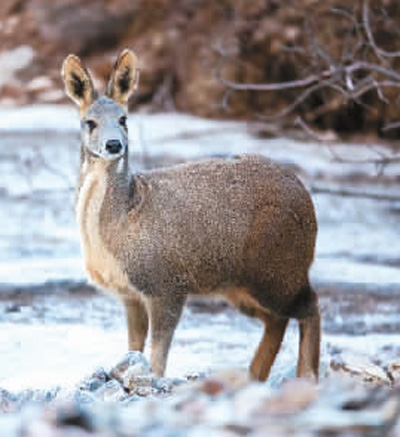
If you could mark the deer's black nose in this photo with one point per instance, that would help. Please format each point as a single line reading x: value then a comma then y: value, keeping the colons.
x: 113, y: 146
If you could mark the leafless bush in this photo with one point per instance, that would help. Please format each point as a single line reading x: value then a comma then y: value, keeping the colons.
x: 361, y: 68
x: 361, y: 75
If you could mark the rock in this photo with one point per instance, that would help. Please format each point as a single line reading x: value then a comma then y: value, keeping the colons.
x: 133, y: 364
x: 167, y: 385
x: 394, y: 372
x: 212, y: 386
x: 8, y: 401
x: 95, y: 381
x: 83, y: 397
x: 250, y: 400
x: 130, y: 400
x: 73, y: 415
x: 132, y: 381
x: 112, y: 391
x: 294, y: 396
x: 194, y: 376
x: 359, y: 367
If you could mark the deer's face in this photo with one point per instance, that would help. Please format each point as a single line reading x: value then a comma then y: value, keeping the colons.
x: 104, y: 129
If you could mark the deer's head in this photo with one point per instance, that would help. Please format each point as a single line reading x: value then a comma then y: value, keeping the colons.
x: 104, y: 129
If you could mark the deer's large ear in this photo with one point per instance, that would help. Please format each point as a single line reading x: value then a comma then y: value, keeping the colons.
x: 124, y: 77
x: 78, y: 83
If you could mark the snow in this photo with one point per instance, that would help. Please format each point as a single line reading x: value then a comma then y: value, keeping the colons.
x: 77, y: 351
x: 33, y: 271
x: 347, y: 271
x: 43, y: 117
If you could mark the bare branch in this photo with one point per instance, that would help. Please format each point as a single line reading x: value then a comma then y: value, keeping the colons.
x: 310, y: 132
x: 380, y: 53
x: 341, y: 71
x: 300, y: 83
x: 350, y: 49
x: 299, y: 100
x: 395, y: 125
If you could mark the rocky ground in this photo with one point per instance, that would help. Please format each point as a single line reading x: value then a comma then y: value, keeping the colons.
x: 127, y: 400
x: 61, y: 341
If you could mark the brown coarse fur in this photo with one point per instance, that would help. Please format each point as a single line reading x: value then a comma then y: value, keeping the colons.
x: 242, y: 227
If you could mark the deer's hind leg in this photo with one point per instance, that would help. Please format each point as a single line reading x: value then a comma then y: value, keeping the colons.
x: 304, y: 307
x: 309, y: 349
x: 274, y: 331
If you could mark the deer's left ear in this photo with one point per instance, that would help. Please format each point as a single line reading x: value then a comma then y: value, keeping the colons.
x: 124, y: 77
x: 78, y: 82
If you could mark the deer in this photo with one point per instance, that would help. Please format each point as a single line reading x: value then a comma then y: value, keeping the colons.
x: 240, y: 227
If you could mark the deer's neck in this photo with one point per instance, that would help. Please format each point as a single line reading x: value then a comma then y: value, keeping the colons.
x: 104, y: 197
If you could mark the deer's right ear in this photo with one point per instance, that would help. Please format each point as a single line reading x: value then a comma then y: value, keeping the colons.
x: 78, y: 83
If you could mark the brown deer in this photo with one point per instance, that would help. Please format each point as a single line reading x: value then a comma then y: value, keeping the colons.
x: 244, y: 228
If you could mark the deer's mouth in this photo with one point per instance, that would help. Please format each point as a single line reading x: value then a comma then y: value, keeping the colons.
x: 107, y: 155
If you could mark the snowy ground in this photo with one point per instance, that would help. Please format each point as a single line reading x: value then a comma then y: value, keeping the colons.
x: 50, y: 336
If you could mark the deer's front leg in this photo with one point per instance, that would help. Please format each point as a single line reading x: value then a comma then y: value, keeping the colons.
x: 138, y: 323
x: 164, y: 313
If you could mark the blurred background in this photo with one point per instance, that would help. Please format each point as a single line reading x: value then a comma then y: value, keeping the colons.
x: 314, y: 85
x: 185, y: 46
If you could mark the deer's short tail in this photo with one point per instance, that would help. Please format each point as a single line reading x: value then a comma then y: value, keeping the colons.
x: 304, y: 304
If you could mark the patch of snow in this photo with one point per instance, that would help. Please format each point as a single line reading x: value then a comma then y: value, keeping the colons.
x: 34, y: 271
x: 39, y: 117
x: 347, y: 271
x: 75, y: 351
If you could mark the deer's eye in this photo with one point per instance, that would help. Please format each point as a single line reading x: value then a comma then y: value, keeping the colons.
x: 91, y: 124
x: 122, y: 121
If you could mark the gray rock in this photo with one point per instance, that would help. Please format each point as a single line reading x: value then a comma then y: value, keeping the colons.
x: 132, y: 381
x: 130, y: 400
x: 167, y: 385
x: 133, y: 364
x: 96, y: 380
x: 112, y: 391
